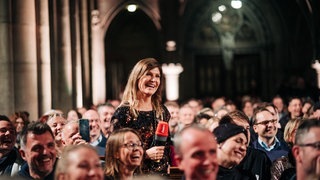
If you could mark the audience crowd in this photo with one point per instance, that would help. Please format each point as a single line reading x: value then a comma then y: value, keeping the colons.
x: 279, y: 139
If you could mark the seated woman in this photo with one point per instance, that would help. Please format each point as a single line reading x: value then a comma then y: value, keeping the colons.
x: 20, y: 121
x: 232, y: 147
x: 56, y: 123
x: 124, y: 154
x: 79, y: 162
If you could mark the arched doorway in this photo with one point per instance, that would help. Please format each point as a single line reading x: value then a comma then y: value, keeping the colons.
x: 129, y: 38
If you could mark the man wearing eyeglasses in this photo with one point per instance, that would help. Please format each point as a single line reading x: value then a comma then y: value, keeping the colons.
x: 307, y: 150
x: 265, y: 126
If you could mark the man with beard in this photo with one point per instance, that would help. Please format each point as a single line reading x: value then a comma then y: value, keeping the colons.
x: 38, y: 150
x: 265, y: 126
x: 10, y: 160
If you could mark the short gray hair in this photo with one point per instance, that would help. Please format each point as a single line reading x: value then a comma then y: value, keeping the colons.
x: 178, y: 136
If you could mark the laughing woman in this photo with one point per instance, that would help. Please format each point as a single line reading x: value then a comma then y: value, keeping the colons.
x: 124, y: 154
x: 232, y: 147
x: 141, y: 109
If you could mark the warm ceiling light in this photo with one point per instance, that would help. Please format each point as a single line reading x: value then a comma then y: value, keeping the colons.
x: 132, y: 7
x: 222, y: 8
x: 216, y: 17
x: 171, y: 45
x: 236, y: 4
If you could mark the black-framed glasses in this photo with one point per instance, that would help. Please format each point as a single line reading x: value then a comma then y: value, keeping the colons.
x: 315, y: 145
x: 266, y: 122
x: 131, y: 146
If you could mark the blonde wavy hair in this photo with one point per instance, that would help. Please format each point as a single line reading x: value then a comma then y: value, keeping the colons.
x: 130, y: 94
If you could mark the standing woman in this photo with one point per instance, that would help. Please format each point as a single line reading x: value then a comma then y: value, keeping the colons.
x: 141, y: 109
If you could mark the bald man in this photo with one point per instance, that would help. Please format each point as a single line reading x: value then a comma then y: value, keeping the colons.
x: 196, y: 153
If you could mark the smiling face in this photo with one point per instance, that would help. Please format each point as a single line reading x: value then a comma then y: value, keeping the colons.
x: 149, y: 82
x: 81, y: 167
x: 198, y: 157
x: 265, y: 131
x: 7, y: 137
x: 295, y: 108
x: 186, y: 115
x: 40, y: 154
x: 106, y: 113
x: 56, y: 124
x: 130, y: 158
x: 94, y: 123
x: 232, y: 151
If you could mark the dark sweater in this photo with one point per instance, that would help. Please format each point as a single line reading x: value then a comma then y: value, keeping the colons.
x: 24, y: 173
x: 233, y: 174
x: 280, y: 149
x: 256, y: 162
x: 7, y: 162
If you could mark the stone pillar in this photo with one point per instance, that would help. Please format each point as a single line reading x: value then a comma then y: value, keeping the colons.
x: 171, y: 73
x: 25, y: 57
x: 76, y: 54
x: 98, y: 63
x: 62, y: 87
x: 6, y: 68
x: 85, y: 56
x: 45, y: 94
x: 316, y: 66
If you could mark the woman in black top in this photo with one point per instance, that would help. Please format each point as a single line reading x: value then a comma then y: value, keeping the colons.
x: 141, y: 109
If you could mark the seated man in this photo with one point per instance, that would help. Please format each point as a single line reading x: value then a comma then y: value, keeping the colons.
x: 265, y: 126
x: 70, y: 134
x: 196, y: 153
x: 106, y: 112
x: 306, y: 150
x: 10, y: 160
x: 39, y: 151
x: 97, y: 139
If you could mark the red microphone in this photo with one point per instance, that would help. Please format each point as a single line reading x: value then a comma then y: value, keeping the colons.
x: 161, y: 136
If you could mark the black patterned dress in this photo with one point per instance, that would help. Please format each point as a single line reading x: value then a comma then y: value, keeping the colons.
x: 146, y: 124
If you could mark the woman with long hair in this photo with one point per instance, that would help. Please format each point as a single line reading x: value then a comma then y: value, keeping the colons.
x: 124, y: 154
x: 142, y: 109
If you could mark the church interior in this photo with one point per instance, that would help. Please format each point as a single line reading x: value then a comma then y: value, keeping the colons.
x: 63, y: 54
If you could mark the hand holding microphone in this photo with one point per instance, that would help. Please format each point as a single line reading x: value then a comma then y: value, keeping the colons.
x: 160, y: 139
x: 161, y: 136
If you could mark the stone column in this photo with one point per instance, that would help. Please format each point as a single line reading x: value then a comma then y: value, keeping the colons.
x: 98, y: 62
x: 25, y: 57
x: 6, y: 68
x: 45, y: 94
x: 171, y: 73
x: 85, y: 54
x: 62, y: 87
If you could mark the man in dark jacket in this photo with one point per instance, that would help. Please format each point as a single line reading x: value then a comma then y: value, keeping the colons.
x: 39, y: 151
x: 10, y: 160
x: 265, y: 126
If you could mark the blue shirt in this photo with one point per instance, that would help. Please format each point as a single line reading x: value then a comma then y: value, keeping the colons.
x: 276, y: 143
